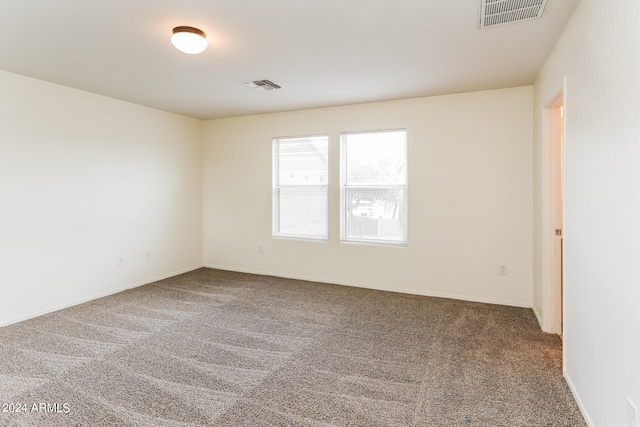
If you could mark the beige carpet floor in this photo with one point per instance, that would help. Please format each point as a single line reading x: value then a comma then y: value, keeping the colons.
x: 216, y: 348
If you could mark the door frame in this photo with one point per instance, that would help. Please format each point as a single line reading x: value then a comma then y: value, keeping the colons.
x: 552, y: 292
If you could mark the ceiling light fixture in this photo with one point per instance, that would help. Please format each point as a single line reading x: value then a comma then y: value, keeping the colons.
x: 189, y: 40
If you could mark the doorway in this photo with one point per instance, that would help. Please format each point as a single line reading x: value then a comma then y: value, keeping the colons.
x: 553, y: 223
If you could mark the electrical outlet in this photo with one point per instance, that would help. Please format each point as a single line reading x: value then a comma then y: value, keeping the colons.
x: 503, y: 270
x: 119, y: 261
x: 148, y: 256
x: 632, y: 411
x: 260, y: 249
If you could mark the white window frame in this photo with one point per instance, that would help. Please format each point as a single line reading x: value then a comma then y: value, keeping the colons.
x: 276, y: 187
x: 344, y: 187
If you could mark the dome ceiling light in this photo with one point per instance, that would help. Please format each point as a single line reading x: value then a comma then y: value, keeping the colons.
x: 189, y: 40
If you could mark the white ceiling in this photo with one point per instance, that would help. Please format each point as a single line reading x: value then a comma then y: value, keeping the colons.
x: 322, y: 53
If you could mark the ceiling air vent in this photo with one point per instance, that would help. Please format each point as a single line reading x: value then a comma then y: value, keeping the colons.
x: 498, y: 12
x: 262, y: 85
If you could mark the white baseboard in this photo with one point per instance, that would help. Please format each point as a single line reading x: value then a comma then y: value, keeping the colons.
x: 537, y: 316
x: 101, y: 295
x: 576, y: 396
x: 378, y: 288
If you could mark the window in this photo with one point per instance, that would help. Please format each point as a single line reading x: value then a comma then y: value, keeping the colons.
x: 374, y: 187
x: 300, y: 177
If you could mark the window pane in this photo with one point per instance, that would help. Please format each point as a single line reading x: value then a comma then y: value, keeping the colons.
x: 302, y: 211
x: 373, y: 180
x: 375, y: 213
x: 377, y: 158
x: 303, y: 161
x: 300, y: 179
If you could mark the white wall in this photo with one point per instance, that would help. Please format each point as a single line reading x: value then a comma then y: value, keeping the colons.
x: 84, y: 179
x: 470, y: 197
x: 599, y: 53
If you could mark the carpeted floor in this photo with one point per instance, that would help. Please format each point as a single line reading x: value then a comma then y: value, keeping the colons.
x: 229, y: 349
